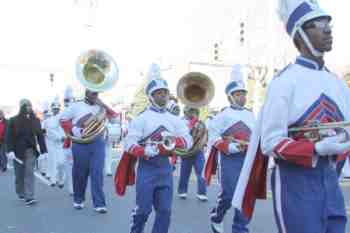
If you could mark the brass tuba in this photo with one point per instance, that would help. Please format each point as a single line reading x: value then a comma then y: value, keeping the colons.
x: 98, y: 72
x: 195, y: 90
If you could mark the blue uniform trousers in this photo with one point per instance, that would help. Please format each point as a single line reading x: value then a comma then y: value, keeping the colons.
x: 230, y: 168
x: 307, y: 200
x: 88, y: 160
x: 196, y: 161
x: 154, y: 188
x: 340, y: 166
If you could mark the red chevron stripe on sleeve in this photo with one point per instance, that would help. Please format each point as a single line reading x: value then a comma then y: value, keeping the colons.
x: 180, y: 142
x: 67, y: 126
x: 298, y: 152
x: 137, y: 151
x: 222, y: 145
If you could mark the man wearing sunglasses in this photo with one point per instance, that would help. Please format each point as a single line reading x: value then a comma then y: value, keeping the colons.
x: 305, y: 190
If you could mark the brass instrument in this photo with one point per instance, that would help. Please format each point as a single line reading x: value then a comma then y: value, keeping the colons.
x: 315, y: 131
x: 97, y: 72
x: 167, y: 141
x: 195, y: 90
x: 320, y: 126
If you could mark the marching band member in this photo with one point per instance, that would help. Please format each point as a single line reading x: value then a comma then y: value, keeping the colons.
x: 23, y: 136
x: 3, y: 157
x: 42, y: 160
x: 114, y: 134
x: 88, y: 157
x: 154, y: 182
x: 67, y: 143
x: 305, y: 189
x: 229, y: 134
x: 196, y: 161
x: 55, y: 137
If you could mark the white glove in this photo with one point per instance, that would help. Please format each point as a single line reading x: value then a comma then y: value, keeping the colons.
x: 11, y: 155
x: 151, y: 150
x: 76, y: 131
x: 233, y: 148
x: 332, y: 146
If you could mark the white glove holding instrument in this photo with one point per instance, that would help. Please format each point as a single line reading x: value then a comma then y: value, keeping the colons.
x: 233, y: 148
x: 151, y: 150
x: 76, y: 131
x: 332, y: 145
x: 11, y: 155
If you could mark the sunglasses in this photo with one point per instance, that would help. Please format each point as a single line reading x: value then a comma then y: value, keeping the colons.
x: 319, y: 24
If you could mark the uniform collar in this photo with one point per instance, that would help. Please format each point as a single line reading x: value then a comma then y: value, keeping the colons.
x: 155, y: 109
x: 308, y: 63
x: 236, y: 107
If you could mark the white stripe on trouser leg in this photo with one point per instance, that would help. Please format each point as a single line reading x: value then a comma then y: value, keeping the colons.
x: 133, y: 213
x: 278, y: 199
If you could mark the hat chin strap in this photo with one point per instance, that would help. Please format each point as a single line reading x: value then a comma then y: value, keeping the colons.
x: 233, y: 102
x: 308, y: 43
x: 151, y: 99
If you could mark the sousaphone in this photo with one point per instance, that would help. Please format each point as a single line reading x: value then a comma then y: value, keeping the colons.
x: 98, y: 72
x: 195, y: 90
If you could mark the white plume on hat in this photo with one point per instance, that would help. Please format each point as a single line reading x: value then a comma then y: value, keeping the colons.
x: 68, y: 93
x: 45, y: 106
x: 236, y: 82
x: 155, y: 81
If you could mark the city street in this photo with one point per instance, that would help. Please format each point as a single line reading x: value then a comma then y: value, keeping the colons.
x: 54, y: 212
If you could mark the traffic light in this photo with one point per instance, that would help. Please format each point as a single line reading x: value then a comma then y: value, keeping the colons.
x: 216, y: 52
x: 241, y: 33
x: 51, y: 78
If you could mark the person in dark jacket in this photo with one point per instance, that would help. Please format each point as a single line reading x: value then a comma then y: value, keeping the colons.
x: 23, y: 136
x: 3, y: 157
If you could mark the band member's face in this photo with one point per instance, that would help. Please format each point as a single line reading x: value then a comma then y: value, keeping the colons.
x: 161, y: 97
x: 91, y: 96
x: 28, y: 108
x: 192, y: 113
x: 319, y: 32
x: 240, y: 97
x: 66, y: 102
x: 55, y: 111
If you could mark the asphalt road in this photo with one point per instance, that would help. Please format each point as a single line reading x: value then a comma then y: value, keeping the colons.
x: 54, y: 212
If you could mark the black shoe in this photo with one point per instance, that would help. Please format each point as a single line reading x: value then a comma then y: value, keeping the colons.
x: 60, y: 186
x: 53, y: 185
x: 21, y: 198
x: 30, y: 202
x: 4, y: 169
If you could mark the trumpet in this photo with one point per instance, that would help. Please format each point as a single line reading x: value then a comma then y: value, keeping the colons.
x: 168, y: 141
x: 320, y: 126
x: 317, y: 131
